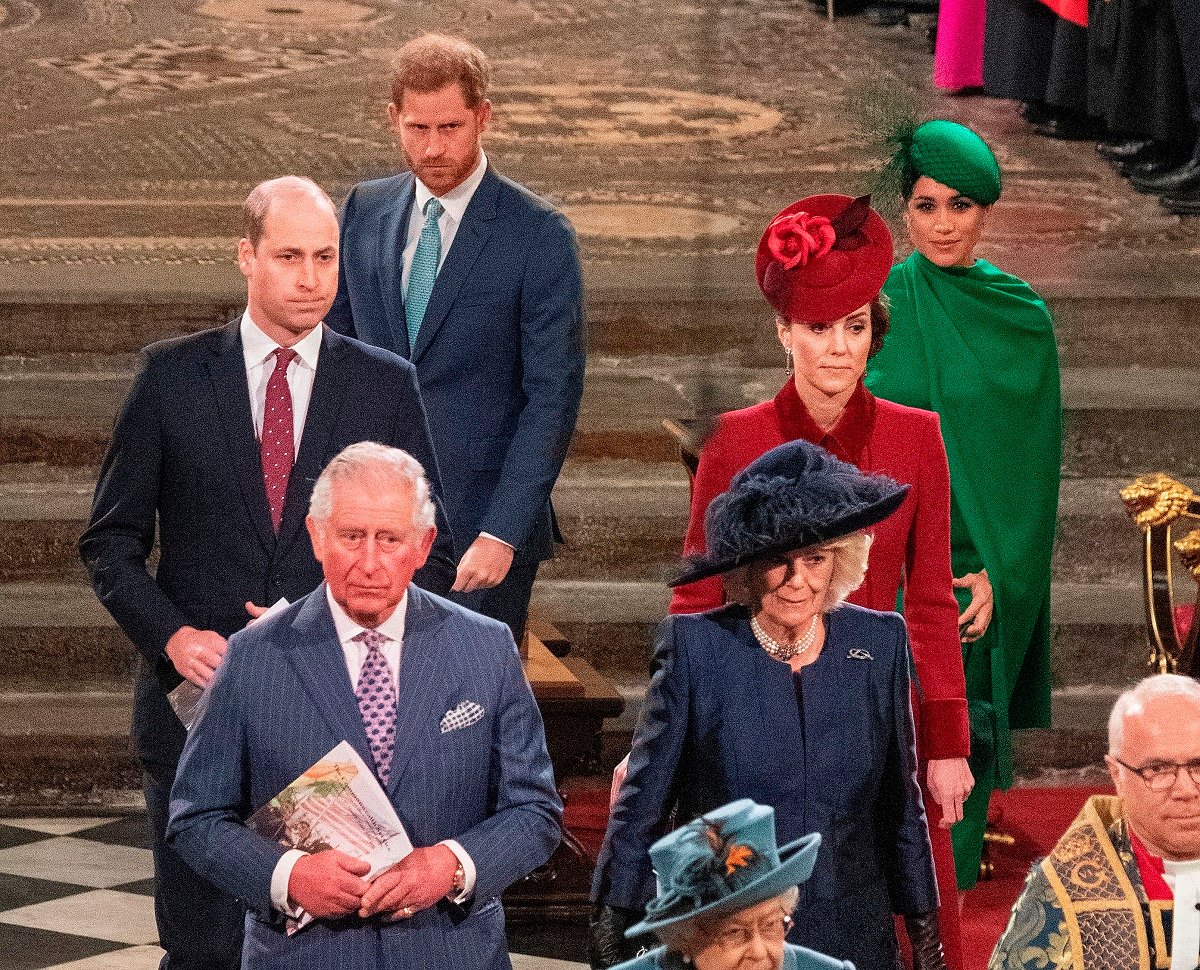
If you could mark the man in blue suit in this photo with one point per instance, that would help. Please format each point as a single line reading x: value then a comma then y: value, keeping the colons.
x: 431, y: 695
x: 477, y: 282
x: 205, y: 448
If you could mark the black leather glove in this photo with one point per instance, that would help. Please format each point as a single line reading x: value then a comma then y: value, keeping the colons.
x: 926, y: 939
x: 607, y: 945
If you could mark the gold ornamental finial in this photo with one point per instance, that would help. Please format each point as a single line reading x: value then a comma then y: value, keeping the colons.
x: 1156, y: 500
x: 1189, y: 552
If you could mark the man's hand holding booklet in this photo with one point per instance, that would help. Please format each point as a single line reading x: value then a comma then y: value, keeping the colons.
x: 336, y: 804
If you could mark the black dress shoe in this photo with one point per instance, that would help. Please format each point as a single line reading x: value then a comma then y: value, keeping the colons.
x: 1154, y: 164
x: 1173, y: 183
x: 1070, y: 127
x: 1123, y: 151
x: 1035, y: 112
x: 1182, y: 203
x: 885, y: 15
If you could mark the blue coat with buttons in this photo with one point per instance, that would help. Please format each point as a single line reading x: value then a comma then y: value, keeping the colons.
x: 721, y: 721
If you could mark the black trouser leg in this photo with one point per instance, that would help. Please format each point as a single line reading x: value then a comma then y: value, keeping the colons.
x: 198, y: 925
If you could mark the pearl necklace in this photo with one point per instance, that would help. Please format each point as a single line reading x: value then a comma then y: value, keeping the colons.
x: 784, y: 651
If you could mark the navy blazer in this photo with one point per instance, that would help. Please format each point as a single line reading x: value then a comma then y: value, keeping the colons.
x: 282, y: 700
x: 500, y: 352
x: 183, y: 451
x: 721, y: 722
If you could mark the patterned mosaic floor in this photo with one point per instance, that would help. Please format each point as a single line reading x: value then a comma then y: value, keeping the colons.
x: 669, y: 131
x: 77, y: 894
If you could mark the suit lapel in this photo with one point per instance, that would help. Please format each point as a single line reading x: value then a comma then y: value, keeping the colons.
x: 422, y: 680
x: 393, y: 236
x: 469, y: 241
x: 317, y: 657
x: 324, y: 407
x: 227, y: 370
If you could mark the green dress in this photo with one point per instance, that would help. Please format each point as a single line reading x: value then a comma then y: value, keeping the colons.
x: 976, y: 345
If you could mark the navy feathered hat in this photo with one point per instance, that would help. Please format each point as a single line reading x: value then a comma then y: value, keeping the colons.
x: 794, y: 496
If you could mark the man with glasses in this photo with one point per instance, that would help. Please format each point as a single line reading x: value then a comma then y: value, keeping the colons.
x: 1122, y: 886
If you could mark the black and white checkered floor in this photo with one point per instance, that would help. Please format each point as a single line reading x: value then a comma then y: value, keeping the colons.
x: 78, y: 894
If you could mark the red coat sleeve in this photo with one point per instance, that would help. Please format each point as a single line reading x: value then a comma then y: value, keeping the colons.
x: 741, y: 436
x: 931, y: 611
x: 713, y: 476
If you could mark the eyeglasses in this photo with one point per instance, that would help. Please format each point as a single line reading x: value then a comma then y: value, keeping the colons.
x: 771, y: 928
x: 1162, y: 775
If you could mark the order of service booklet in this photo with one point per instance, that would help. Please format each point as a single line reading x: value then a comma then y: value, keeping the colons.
x: 335, y: 804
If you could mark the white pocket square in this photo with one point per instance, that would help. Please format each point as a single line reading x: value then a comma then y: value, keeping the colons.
x: 466, y: 714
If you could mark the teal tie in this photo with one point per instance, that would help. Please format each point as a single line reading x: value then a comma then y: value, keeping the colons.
x: 423, y: 273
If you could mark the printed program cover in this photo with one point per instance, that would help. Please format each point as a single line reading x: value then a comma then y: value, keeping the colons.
x: 335, y: 804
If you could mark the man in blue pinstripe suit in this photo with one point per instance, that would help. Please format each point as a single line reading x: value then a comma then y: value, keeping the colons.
x: 456, y: 742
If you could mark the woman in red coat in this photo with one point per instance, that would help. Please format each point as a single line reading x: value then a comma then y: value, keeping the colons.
x: 821, y: 264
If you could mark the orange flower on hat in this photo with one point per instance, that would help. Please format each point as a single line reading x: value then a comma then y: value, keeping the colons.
x: 797, y: 237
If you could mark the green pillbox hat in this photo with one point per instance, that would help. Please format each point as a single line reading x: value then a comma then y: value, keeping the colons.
x: 954, y: 155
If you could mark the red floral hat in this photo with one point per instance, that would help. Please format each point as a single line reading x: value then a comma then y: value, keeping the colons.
x: 823, y: 257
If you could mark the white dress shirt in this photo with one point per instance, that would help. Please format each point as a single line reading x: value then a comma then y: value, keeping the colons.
x: 356, y: 653
x: 1184, y: 880
x: 454, y: 206
x: 257, y: 349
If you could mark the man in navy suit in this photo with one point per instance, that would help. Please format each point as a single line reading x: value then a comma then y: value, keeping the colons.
x: 477, y: 281
x: 431, y: 696
x: 186, y: 454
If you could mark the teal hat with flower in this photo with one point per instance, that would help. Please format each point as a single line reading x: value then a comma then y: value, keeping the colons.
x: 724, y: 861
x: 949, y: 153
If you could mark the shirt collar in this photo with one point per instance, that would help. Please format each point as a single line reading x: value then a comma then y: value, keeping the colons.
x: 455, y: 201
x: 348, y: 629
x: 846, y: 440
x: 257, y: 346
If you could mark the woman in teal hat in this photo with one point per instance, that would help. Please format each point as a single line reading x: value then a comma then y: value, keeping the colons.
x: 726, y: 895
x: 976, y: 345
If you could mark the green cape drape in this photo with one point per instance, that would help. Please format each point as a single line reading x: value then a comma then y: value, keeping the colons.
x: 976, y: 345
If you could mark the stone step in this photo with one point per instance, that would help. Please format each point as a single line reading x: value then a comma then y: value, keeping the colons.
x: 624, y: 520
x: 59, y: 410
x: 67, y: 672
x: 58, y: 636
x: 66, y: 749
x: 693, y: 319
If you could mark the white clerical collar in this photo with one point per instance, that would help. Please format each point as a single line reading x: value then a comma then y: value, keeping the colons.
x: 257, y: 346
x: 348, y: 629
x: 1184, y: 880
x: 455, y: 201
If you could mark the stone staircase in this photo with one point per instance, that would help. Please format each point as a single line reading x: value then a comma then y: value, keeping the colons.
x: 1132, y: 395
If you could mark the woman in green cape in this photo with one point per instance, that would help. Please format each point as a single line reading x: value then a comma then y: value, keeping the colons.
x: 976, y: 345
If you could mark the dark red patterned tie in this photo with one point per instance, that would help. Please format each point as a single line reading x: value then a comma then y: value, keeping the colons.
x: 278, y: 438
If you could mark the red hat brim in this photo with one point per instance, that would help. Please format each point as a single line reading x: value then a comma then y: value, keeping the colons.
x: 832, y: 285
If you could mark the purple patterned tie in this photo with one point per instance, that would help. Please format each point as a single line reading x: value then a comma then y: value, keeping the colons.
x: 377, y: 702
x: 278, y: 433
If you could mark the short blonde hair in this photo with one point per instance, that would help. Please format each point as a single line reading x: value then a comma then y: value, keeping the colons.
x: 850, y: 556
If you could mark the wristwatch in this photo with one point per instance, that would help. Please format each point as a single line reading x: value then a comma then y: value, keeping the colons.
x: 459, y: 882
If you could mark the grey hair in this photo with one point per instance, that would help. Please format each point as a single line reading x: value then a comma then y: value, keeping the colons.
x: 692, y: 935
x: 1133, y: 702
x: 258, y: 203
x: 850, y: 554
x: 368, y: 461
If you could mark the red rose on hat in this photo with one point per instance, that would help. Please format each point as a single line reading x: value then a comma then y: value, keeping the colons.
x: 794, y: 238
x: 822, y: 257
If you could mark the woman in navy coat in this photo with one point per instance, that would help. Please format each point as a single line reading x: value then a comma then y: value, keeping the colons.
x: 795, y: 700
